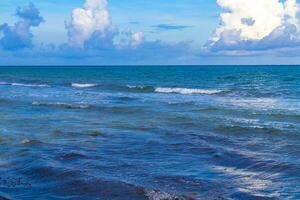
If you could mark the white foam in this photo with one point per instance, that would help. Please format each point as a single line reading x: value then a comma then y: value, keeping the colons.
x: 254, y: 102
x: 29, y: 85
x: 4, y: 83
x: 186, y: 91
x: 158, y: 195
x: 83, y: 85
x: 24, y: 85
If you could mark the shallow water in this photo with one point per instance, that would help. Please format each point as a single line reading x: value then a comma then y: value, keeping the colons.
x: 150, y: 133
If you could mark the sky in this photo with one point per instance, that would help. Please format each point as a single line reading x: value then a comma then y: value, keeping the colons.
x: 156, y: 32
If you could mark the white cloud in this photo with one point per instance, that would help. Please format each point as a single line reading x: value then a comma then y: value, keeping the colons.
x: 93, y: 17
x: 252, y: 24
x: 92, y: 24
x: 137, y: 38
x: 291, y: 9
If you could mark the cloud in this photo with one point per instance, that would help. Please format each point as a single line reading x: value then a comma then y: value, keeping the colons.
x: 154, y: 52
x: 137, y: 39
x: 256, y: 25
x: 91, y: 27
x: 93, y: 19
x: 170, y: 27
x: 93, y: 39
x: 19, y: 35
x: 30, y: 14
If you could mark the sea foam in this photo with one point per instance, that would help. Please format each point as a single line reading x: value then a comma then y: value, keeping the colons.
x: 24, y: 85
x: 186, y: 91
x: 158, y: 195
x: 262, y: 103
x: 83, y: 85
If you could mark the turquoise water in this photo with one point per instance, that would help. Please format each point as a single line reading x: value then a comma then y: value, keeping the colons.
x: 154, y: 133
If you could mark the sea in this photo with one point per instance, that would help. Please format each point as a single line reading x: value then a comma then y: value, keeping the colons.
x: 150, y: 133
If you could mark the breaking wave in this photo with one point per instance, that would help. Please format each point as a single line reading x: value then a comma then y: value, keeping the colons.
x: 83, y: 85
x: 141, y: 88
x: 173, y: 90
x: 24, y: 85
x: 187, y: 91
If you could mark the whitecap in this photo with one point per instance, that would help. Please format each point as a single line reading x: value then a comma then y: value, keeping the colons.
x: 186, y: 91
x: 140, y: 88
x: 4, y: 83
x: 83, y: 85
x: 24, y: 85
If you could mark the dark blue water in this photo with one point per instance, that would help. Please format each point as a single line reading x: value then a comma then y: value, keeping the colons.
x: 157, y: 133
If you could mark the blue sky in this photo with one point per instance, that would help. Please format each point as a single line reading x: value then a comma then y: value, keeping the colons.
x: 134, y: 14
x: 57, y: 32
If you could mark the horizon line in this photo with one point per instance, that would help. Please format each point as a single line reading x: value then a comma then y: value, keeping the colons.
x: 162, y: 65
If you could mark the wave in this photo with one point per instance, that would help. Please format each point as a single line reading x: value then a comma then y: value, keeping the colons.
x: 173, y: 90
x: 63, y: 105
x: 250, y: 129
x: 83, y: 85
x: 183, y: 103
x: 3, y: 198
x: 159, y: 195
x: 186, y: 91
x: 123, y: 98
x: 141, y: 88
x: 31, y: 142
x: 290, y: 116
x: 110, y: 109
x: 261, y: 104
x: 255, y: 101
x: 24, y: 85
x: 4, y: 83
x: 135, y: 87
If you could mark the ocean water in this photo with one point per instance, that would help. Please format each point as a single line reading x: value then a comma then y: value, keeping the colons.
x: 156, y: 133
